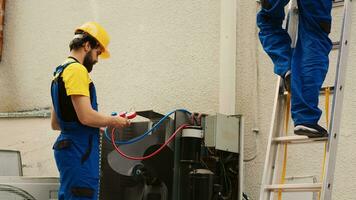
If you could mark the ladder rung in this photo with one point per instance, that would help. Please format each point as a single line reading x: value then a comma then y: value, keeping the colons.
x: 322, y: 90
x: 301, y: 187
x: 336, y: 45
x: 338, y: 3
x: 296, y: 139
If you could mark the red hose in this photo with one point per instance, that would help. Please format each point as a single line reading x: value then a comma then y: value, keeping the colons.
x: 148, y: 156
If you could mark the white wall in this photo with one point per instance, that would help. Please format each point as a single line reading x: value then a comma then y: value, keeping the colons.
x: 165, y: 55
x: 163, y: 52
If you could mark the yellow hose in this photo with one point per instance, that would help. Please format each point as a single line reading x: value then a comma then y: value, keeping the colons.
x: 327, y: 102
x: 286, y: 125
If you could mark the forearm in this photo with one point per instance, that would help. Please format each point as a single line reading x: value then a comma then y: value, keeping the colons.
x: 95, y: 119
x: 90, y: 117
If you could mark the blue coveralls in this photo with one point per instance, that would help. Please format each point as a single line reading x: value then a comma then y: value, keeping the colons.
x: 76, y: 151
x: 309, y: 60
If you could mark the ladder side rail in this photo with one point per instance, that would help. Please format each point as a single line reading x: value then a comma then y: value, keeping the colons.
x: 337, y: 103
x: 292, y: 28
x: 271, y: 148
x: 274, y: 153
x: 292, y: 23
x: 278, y: 149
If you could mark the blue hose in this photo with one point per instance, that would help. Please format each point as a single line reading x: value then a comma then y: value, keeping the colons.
x: 136, y: 139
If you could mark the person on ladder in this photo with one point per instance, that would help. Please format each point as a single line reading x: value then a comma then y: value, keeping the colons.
x: 302, y: 69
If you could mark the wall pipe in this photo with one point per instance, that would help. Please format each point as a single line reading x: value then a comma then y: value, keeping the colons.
x: 227, y: 79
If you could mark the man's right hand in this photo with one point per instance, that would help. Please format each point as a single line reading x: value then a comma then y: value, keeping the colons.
x: 90, y: 117
x: 119, y: 122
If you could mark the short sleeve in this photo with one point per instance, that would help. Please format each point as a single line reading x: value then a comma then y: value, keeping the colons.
x: 76, y: 80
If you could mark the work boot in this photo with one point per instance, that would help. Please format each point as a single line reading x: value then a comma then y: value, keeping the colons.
x: 286, y: 81
x: 310, y: 130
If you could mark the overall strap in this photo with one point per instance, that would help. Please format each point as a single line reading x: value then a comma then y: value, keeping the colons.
x: 59, y: 70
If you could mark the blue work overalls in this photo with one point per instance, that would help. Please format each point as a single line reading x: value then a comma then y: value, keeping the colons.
x: 76, y: 151
x: 308, y: 61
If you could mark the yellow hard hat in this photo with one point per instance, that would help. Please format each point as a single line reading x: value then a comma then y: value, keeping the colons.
x: 99, y: 33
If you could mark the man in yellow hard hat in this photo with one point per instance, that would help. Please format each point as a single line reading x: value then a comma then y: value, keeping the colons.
x: 75, y: 114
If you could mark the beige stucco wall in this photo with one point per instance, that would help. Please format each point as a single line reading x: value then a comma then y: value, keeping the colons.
x: 165, y: 55
x: 155, y: 44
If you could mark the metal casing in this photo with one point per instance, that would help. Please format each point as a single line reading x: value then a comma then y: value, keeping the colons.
x: 223, y: 132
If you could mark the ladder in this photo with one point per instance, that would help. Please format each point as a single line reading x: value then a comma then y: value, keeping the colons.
x: 273, y: 184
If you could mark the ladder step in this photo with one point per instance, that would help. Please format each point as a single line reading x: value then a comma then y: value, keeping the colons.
x: 336, y: 45
x: 338, y: 3
x: 296, y: 139
x: 301, y: 187
x: 322, y: 90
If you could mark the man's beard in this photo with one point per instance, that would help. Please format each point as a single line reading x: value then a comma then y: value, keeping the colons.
x: 88, y: 61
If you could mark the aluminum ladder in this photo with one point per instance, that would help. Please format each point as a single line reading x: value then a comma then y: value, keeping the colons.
x: 271, y: 187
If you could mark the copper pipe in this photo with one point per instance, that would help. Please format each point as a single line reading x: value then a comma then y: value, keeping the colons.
x: 2, y: 20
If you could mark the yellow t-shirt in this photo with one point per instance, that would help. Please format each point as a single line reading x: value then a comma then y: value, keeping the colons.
x: 76, y: 79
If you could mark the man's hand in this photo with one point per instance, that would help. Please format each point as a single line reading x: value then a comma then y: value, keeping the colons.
x: 90, y: 117
x: 119, y: 122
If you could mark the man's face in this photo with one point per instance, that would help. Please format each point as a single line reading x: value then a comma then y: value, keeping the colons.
x: 91, y: 58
